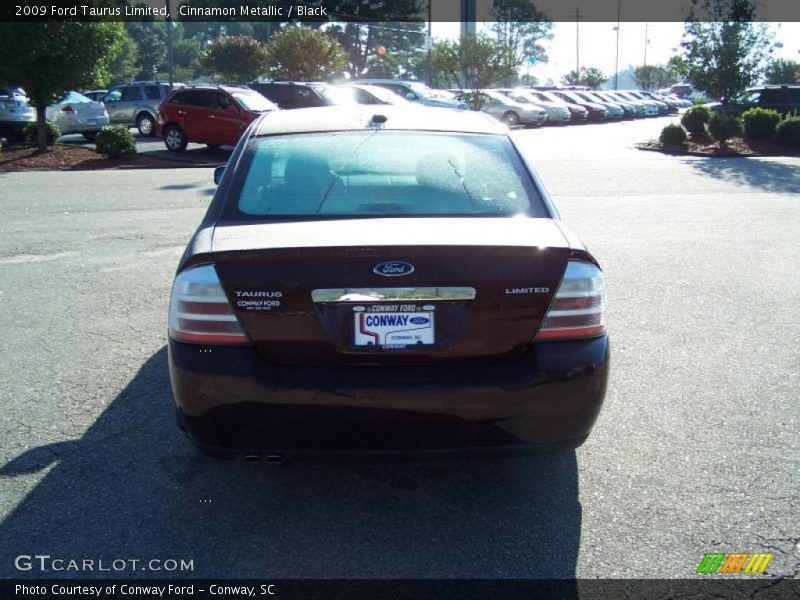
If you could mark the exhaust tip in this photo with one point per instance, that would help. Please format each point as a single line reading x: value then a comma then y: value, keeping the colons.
x: 276, y: 459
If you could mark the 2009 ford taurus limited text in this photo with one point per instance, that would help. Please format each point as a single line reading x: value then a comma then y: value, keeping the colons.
x: 386, y: 281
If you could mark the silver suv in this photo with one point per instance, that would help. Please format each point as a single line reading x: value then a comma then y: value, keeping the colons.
x: 136, y: 103
x: 15, y: 112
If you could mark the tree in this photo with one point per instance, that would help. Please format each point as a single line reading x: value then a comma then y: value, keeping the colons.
x: 367, y: 25
x: 235, y: 59
x: 727, y: 51
x: 401, y: 41
x: 151, y: 43
x: 783, y: 71
x: 591, y: 77
x: 124, y: 66
x: 651, y: 77
x: 304, y: 54
x: 51, y: 58
x: 479, y: 60
x: 521, y: 27
x: 396, y: 26
x: 187, y: 54
x: 678, y: 67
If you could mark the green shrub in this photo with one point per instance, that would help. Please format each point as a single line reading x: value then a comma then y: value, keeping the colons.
x: 673, y: 135
x: 788, y: 132
x: 31, y: 131
x: 723, y: 127
x: 694, y: 120
x: 115, y: 141
x: 760, y: 123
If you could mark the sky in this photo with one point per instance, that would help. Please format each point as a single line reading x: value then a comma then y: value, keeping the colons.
x: 598, y: 45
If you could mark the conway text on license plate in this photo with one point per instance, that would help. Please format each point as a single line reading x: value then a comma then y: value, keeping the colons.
x: 394, y: 329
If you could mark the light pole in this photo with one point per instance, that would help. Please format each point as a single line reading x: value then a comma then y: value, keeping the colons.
x: 577, y: 42
x: 616, y: 57
x: 170, y: 65
x: 646, y: 41
x: 429, y: 43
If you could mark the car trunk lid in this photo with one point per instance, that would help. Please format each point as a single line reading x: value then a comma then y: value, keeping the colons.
x: 384, y: 291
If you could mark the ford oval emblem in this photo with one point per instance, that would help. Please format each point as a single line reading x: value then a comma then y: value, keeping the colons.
x: 393, y: 268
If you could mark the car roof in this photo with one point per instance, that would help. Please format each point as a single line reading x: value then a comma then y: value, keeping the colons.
x: 398, y: 81
x: 359, y: 117
x: 778, y: 86
x: 210, y: 86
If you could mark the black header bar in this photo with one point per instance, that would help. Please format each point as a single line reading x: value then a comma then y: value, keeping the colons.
x: 282, y: 11
x: 702, y: 587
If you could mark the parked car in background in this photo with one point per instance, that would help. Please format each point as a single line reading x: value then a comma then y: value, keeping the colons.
x: 511, y: 112
x: 297, y: 94
x: 384, y: 280
x: 15, y: 112
x: 557, y: 113
x: 206, y: 114
x: 577, y: 113
x: 662, y: 107
x: 615, y: 111
x: 681, y: 102
x: 136, y: 104
x: 96, y: 95
x: 681, y: 90
x: 672, y: 106
x: 648, y: 109
x: 75, y: 113
x: 597, y: 112
x: 416, y: 92
x: 372, y: 94
x: 783, y: 98
x: 629, y: 109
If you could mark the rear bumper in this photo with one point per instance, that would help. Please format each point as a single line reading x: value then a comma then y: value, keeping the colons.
x: 230, y: 400
x: 81, y: 125
x: 14, y: 127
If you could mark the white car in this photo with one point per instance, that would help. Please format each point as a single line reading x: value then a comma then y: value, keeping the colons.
x: 15, y: 112
x: 557, y: 112
x: 75, y: 113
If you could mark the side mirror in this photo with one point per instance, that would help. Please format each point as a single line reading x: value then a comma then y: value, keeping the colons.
x: 218, y: 173
x: 411, y: 96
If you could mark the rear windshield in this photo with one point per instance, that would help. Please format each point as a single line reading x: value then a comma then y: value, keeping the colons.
x: 253, y: 101
x: 76, y: 98
x: 381, y: 173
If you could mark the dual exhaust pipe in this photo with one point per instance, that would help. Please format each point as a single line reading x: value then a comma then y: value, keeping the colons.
x: 270, y: 459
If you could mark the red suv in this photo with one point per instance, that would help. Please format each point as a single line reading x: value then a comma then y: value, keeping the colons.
x: 212, y: 115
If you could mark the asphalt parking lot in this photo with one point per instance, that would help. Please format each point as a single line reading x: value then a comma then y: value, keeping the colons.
x: 696, y: 449
x: 198, y: 154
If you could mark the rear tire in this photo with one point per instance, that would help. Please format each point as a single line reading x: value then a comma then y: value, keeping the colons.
x: 145, y: 124
x: 174, y: 138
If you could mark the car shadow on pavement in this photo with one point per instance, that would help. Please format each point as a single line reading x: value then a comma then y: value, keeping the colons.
x: 761, y: 174
x: 133, y: 488
x: 179, y: 186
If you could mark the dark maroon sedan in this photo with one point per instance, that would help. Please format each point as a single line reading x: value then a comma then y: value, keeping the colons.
x: 382, y: 279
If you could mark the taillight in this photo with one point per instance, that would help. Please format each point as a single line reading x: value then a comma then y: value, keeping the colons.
x: 199, y: 311
x: 579, y: 307
x: 67, y: 108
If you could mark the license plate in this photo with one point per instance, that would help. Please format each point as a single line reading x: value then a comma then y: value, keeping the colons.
x: 91, y: 121
x: 394, y: 330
